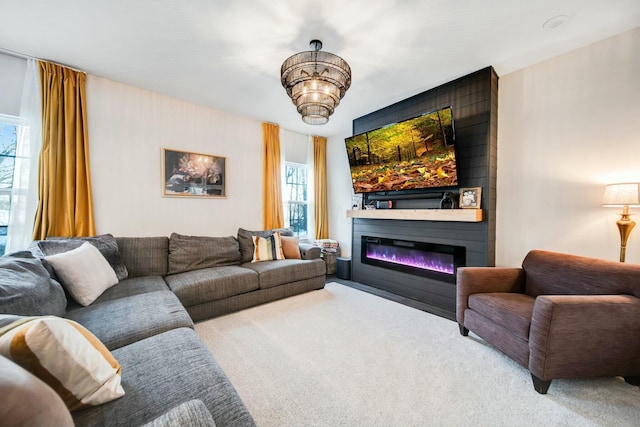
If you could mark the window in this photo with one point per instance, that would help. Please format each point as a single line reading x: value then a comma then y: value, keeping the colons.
x: 8, y: 144
x: 296, y: 201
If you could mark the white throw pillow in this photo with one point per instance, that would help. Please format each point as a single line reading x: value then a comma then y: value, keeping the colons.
x: 84, y: 272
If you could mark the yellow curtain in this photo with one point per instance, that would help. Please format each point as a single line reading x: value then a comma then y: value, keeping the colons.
x: 65, y: 205
x: 320, y: 186
x: 273, y: 214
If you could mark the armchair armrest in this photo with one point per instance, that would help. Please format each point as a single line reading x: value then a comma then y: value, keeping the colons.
x: 584, y: 336
x: 308, y: 251
x: 473, y: 280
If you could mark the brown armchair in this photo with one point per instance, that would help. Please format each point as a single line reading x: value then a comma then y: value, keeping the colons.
x: 559, y: 315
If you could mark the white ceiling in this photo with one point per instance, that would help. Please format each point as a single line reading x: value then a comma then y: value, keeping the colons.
x: 227, y: 54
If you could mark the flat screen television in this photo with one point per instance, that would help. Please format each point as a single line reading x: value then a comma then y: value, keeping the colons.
x: 414, y: 154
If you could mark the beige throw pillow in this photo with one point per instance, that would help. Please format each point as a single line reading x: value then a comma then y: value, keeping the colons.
x: 66, y: 356
x: 27, y: 400
x: 84, y: 272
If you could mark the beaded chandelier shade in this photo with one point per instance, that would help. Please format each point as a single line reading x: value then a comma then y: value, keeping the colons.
x: 316, y: 82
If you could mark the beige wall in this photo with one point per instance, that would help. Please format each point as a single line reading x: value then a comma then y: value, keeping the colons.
x: 129, y: 126
x: 340, y: 194
x: 12, y: 70
x: 567, y: 127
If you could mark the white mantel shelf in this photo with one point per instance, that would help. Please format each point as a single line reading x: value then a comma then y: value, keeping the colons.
x: 459, y: 215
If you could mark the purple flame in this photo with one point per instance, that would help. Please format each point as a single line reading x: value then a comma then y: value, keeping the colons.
x: 426, y: 260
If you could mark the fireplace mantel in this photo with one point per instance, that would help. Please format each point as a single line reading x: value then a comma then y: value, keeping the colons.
x: 457, y: 215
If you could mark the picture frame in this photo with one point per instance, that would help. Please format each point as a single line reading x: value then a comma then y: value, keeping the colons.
x: 470, y: 198
x: 190, y: 174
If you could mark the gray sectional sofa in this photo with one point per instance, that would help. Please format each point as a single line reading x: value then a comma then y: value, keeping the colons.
x: 146, y: 322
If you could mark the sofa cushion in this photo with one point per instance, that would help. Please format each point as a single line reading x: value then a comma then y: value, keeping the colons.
x: 267, y: 248
x: 211, y: 284
x: 64, y: 355
x: 188, y: 253
x: 245, y: 240
x: 274, y: 273
x: 192, y: 413
x: 145, y: 256
x: 290, y: 247
x: 27, y: 400
x: 133, y: 286
x: 120, y: 322
x: 84, y: 272
x: 126, y: 288
x: 26, y: 288
x: 551, y: 273
x: 161, y: 372
x: 105, y: 243
x: 509, y: 310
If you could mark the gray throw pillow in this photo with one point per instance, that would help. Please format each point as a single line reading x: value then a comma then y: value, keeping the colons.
x: 105, y: 243
x: 187, y: 253
x: 245, y: 239
x: 27, y: 289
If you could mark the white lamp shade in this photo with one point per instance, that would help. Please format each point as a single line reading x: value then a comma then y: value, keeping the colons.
x: 627, y: 194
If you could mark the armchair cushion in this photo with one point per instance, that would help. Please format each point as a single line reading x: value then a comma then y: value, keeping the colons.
x: 513, y: 311
x: 472, y: 280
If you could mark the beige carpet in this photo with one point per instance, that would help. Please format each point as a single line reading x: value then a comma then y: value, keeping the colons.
x: 342, y: 357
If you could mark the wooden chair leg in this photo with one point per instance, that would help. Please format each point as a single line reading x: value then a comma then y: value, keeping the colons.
x: 633, y: 380
x: 463, y: 331
x: 541, y: 386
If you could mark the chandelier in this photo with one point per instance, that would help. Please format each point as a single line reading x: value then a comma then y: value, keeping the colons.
x: 316, y: 82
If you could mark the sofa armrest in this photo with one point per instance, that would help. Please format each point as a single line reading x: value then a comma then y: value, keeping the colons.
x: 308, y: 251
x: 473, y: 280
x: 584, y: 336
x: 191, y: 413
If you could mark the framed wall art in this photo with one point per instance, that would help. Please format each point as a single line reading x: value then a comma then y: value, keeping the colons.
x: 470, y: 197
x: 187, y: 174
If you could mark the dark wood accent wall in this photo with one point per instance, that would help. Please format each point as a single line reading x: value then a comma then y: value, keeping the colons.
x: 474, y: 99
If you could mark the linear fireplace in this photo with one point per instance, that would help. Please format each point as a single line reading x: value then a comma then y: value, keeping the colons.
x: 436, y: 261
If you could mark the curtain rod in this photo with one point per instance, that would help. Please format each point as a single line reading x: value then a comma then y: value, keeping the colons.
x: 23, y: 56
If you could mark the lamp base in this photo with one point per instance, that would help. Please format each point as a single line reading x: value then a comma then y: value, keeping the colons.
x: 625, y: 225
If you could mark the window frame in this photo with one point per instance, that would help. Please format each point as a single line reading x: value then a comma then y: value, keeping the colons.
x: 15, y: 121
x: 287, y: 201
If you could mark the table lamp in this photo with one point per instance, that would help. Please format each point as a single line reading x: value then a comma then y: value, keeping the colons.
x: 625, y: 195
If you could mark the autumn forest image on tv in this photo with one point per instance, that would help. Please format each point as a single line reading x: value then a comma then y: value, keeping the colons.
x: 413, y: 154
